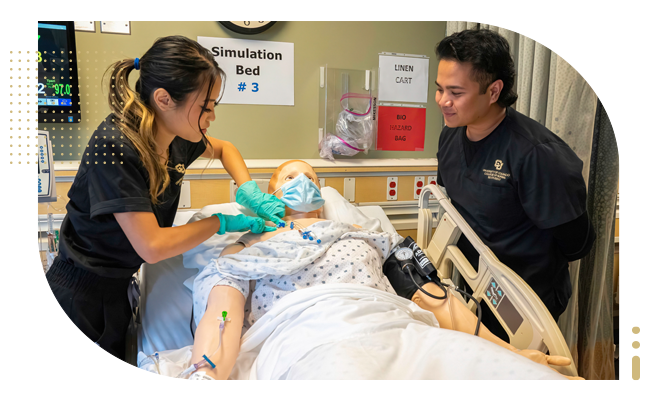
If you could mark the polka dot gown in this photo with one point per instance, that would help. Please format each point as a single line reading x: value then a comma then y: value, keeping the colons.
x: 357, y: 256
x: 349, y: 260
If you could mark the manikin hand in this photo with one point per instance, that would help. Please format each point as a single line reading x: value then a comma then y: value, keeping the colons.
x: 541, y: 358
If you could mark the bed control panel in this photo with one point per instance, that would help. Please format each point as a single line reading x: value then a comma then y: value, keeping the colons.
x: 498, y: 299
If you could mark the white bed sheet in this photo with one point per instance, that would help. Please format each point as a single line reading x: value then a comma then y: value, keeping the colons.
x: 350, y: 331
x: 166, y: 303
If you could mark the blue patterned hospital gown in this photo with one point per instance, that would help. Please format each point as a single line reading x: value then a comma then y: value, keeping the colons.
x: 348, y: 260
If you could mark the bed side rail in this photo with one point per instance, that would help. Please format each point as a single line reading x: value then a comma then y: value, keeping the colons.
x: 521, y: 313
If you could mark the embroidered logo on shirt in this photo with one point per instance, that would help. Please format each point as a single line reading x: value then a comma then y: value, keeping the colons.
x: 180, y: 168
x: 496, y: 175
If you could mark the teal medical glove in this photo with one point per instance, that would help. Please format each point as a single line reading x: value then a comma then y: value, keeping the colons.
x: 241, y: 223
x: 265, y: 205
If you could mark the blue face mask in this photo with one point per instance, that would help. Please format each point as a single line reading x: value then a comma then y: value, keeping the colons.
x: 301, y: 194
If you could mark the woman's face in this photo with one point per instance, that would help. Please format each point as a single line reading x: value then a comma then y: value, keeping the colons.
x: 183, y: 119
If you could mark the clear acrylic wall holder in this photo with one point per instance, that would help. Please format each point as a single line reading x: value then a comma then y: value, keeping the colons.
x: 334, y: 84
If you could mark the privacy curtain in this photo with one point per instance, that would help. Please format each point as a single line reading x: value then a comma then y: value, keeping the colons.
x: 555, y: 95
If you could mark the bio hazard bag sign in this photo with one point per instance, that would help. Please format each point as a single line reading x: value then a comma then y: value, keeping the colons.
x: 401, y: 128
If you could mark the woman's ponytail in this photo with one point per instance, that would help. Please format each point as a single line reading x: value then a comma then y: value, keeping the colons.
x: 135, y: 120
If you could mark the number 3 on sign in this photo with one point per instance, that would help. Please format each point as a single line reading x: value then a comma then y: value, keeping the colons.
x: 255, y: 88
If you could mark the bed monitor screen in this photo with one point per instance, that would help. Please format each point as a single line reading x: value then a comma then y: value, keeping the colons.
x: 58, y: 82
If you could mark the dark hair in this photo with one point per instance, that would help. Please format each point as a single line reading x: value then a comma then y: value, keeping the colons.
x: 488, y: 53
x: 175, y: 63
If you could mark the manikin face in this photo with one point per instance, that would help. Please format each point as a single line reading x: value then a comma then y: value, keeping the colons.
x: 183, y: 119
x: 458, y: 94
x: 289, y: 171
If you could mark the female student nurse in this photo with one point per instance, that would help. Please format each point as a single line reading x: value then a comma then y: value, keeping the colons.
x: 126, y: 192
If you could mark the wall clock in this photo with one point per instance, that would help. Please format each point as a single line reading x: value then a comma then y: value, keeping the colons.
x: 247, y: 27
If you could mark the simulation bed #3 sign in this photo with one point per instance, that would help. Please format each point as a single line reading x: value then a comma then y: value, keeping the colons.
x: 401, y: 128
x: 257, y: 71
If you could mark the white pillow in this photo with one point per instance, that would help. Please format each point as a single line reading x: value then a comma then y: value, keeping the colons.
x: 337, y: 208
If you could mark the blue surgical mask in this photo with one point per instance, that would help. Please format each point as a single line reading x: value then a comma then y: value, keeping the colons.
x: 301, y: 194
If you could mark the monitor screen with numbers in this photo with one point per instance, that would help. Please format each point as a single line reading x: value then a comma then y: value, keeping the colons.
x: 58, y: 80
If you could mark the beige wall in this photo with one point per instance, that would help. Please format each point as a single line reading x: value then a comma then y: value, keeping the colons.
x: 260, y: 131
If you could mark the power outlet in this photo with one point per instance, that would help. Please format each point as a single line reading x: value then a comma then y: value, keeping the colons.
x: 185, y: 201
x: 233, y: 191
x: 263, y: 184
x: 431, y: 180
x: 391, y: 188
x: 349, y: 188
x: 417, y: 187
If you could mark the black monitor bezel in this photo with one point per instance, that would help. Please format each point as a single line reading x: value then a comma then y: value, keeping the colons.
x: 44, y: 112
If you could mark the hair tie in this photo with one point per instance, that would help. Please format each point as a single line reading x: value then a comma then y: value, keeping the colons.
x: 136, y: 63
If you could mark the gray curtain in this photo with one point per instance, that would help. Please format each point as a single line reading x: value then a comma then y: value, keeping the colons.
x: 554, y: 94
x: 596, y: 282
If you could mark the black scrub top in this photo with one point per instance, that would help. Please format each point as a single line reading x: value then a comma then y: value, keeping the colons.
x: 522, y: 181
x: 112, y: 179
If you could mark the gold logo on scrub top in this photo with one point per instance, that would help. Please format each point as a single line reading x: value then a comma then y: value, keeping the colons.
x: 498, y: 165
x: 180, y: 168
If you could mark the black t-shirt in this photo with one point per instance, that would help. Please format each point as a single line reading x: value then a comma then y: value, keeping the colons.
x: 112, y: 179
x: 522, y: 181
x: 471, y: 148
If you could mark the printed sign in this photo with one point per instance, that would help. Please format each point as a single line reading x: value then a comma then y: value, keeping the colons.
x: 257, y: 71
x: 403, y: 79
x: 401, y: 128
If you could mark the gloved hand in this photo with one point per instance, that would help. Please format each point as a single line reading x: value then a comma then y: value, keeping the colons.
x: 400, y: 280
x: 265, y: 205
x: 241, y: 223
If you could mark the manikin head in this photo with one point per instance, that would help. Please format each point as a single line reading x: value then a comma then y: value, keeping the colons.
x: 287, y: 172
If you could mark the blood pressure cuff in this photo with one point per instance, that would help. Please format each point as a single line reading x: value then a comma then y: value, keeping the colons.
x: 400, y: 279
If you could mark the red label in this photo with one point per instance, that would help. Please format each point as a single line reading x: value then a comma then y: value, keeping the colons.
x: 401, y: 128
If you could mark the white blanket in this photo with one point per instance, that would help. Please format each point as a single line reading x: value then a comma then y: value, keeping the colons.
x: 348, y: 331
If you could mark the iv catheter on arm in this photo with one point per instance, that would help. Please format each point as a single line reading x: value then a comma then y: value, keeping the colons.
x: 218, y: 337
x: 206, y: 360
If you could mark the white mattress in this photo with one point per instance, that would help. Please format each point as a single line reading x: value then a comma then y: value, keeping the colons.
x: 166, y: 304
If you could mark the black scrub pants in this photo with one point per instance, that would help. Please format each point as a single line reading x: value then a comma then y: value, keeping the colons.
x: 98, y: 306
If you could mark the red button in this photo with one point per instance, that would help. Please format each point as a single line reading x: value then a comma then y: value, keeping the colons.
x: 420, y: 184
x: 419, y: 191
x: 433, y: 182
x: 391, y: 193
x: 392, y: 184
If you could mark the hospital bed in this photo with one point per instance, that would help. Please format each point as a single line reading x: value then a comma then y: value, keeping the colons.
x: 165, y: 305
x: 522, y: 314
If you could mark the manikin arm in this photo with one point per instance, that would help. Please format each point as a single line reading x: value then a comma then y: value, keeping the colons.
x: 452, y: 314
x: 206, y: 339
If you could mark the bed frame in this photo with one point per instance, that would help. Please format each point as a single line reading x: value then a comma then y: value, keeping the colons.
x: 522, y: 314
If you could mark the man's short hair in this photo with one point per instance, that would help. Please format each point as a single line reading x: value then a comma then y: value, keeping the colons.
x: 488, y: 53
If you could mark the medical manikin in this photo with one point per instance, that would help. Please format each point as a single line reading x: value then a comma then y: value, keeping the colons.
x: 342, y: 253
